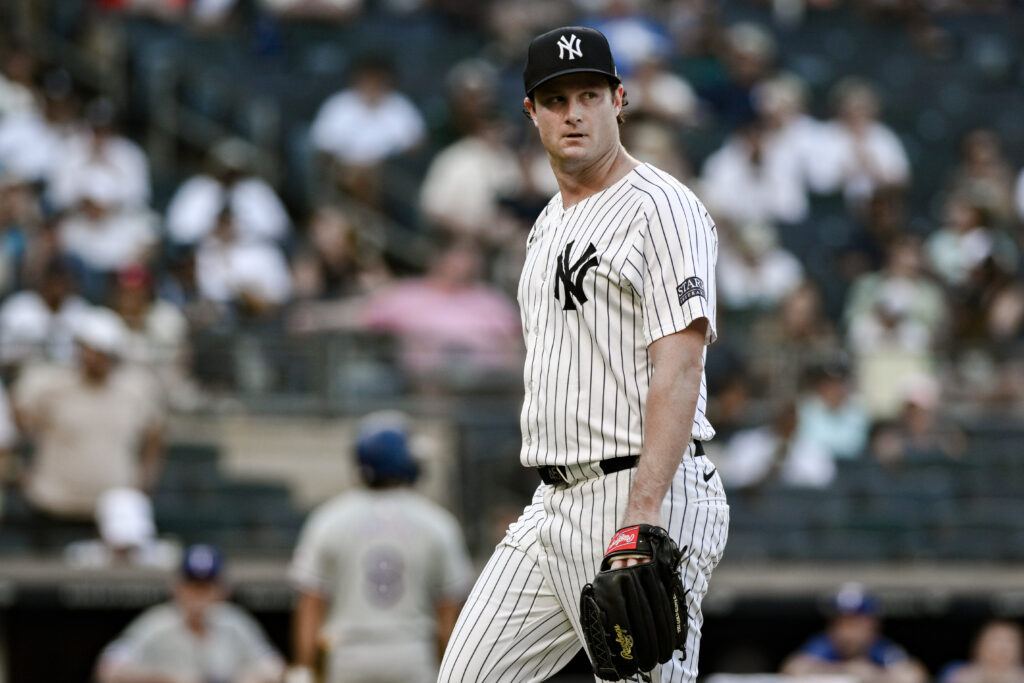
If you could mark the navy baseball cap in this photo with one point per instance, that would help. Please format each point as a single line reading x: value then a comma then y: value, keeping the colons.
x: 201, y: 563
x: 567, y: 50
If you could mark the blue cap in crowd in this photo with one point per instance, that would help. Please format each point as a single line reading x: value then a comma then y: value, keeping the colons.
x: 201, y: 563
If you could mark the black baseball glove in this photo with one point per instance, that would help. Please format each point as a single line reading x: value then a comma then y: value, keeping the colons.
x: 634, y: 618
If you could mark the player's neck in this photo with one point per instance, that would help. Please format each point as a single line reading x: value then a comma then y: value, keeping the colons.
x: 576, y: 183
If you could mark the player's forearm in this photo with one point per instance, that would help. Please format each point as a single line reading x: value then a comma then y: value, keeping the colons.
x: 447, y: 613
x: 668, y: 421
x: 309, y: 615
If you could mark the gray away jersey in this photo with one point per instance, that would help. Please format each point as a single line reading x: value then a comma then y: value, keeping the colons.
x: 602, y: 280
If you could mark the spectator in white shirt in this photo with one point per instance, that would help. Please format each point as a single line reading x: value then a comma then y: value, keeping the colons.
x: 103, y: 235
x: 360, y: 127
x: 100, y: 152
x: 31, y: 141
x: 776, y: 451
x: 39, y: 323
x: 861, y: 153
x: 16, y: 75
x: 967, y: 239
x: 248, y: 275
x: 258, y: 211
x: 753, y: 271
x: 781, y: 101
x: 752, y: 178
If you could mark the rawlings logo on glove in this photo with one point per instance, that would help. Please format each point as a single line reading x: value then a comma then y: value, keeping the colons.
x: 634, y: 618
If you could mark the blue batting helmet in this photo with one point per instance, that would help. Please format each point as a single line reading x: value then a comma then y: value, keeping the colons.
x: 382, y: 450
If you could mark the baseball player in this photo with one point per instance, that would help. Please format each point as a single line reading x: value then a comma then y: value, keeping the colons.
x: 381, y: 572
x: 617, y: 300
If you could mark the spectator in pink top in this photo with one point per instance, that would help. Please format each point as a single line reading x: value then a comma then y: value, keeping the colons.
x: 454, y: 330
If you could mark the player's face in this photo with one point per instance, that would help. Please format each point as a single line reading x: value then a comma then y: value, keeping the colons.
x: 575, y: 116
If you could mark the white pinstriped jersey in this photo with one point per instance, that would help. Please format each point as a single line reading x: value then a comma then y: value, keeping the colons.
x: 602, y: 280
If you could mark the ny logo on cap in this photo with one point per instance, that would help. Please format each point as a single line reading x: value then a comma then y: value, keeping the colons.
x: 570, y: 44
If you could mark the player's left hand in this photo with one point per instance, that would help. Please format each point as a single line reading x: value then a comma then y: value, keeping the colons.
x: 634, y: 615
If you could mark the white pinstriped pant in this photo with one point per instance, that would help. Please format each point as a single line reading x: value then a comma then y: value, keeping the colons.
x: 521, y: 622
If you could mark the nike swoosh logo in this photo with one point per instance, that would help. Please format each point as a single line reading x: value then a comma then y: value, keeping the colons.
x: 708, y: 475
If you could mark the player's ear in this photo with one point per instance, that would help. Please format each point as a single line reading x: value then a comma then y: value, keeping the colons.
x: 619, y: 94
x: 528, y: 108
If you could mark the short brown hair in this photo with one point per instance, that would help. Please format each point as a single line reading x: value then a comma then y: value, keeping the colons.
x: 620, y: 118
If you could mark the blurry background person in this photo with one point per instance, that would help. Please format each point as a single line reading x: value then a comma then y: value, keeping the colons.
x: 776, y: 451
x: 454, y: 328
x: 198, y: 637
x: 830, y: 412
x: 381, y: 571
x: 852, y: 645
x: 861, y: 153
x: 38, y: 323
x: 364, y: 125
x: 99, y: 153
x: 229, y: 183
x: 997, y: 656
x: 96, y: 425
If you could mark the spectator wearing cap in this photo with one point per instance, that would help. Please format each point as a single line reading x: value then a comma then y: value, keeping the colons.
x: 96, y: 425
x: 100, y: 153
x: 852, y: 645
x: 196, y: 637
x: 229, y: 182
x: 381, y: 571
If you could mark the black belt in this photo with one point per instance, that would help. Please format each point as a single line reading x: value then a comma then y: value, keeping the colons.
x: 555, y: 475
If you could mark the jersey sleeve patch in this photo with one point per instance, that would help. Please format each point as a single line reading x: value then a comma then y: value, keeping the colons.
x: 690, y: 287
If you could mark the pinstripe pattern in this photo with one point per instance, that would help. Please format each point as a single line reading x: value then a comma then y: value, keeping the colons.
x: 521, y: 622
x: 587, y: 371
x: 587, y: 375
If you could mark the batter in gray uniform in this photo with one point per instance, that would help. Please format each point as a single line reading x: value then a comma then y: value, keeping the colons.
x: 617, y: 302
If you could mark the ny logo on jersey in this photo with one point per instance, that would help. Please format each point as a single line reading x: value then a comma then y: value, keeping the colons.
x: 569, y: 278
x: 569, y: 45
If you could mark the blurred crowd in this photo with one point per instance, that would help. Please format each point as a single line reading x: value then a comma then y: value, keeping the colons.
x: 835, y: 343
